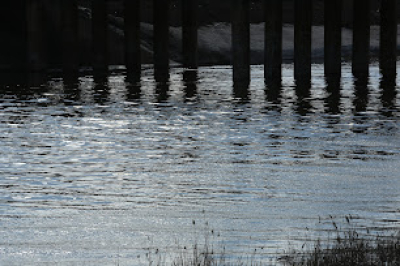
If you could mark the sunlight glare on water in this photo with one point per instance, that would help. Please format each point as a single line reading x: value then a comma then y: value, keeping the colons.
x: 100, y: 171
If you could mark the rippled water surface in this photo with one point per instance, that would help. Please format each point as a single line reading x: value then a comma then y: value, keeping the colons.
x: 97, y: 171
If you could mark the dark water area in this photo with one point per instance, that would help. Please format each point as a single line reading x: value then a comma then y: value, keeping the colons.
x: 96, y: 170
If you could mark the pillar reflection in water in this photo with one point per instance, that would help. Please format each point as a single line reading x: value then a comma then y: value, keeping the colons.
x: 303, y: 98
x: 361, y: 93
x: 22, y: 85
x: 360, y: 103
x: 72, y: 92
x: 132, y: 77
x: 37, y: 81
x: 332, y: 101
x: 36, y: 84
x: 389, y: 94
x: 101, y: 89
x: 162, y: 92
x: 133, y: 89
x: 190, y: 79
x: 273, y: 95
x: 12, y: 79
x: 241, y: 92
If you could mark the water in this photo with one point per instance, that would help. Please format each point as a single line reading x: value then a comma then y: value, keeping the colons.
x: 102, y: 173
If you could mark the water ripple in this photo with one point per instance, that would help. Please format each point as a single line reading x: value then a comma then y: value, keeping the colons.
x: 91, y: 171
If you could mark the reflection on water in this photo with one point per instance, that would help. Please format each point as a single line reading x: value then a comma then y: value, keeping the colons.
x: 332, y: 100
x: 388, y: 97
x: 95, y: 169
x: 361, y: 93
x: 190, y: 80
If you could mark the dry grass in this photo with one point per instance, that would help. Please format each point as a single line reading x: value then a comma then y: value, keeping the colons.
x: 349, y: 247
x: 346, y: 247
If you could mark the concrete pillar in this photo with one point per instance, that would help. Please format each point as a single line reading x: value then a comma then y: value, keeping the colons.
x: 53, y: 12
x: 161, y: 40
x: 388, y: 37
x: 132, y: 38
x: 387, y: 56
x: 100, y: 35
x: 302, y: 41
x: 347, y: 12
x: 361, y: 37
x: 13, y: 29
x: 273, y: 42
x: 189, y: 33
x: 241, y: 42
x: 37, y: 58
x: 333, y: 38
x: 70, y: 48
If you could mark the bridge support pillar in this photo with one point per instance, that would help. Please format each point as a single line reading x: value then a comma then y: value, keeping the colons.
x: 13, y: 51
x: 189, y: 33
x: 333, y: 38
x: 241, y: 42
x: 132, y: 38
x: 70, y: 35
x: 302, y: 41
x: 161, y: 40
x: 273, y: 42
x: 361, y: 38
x: 36, y: 36
x: 388, y: 37
x: 100, y: 35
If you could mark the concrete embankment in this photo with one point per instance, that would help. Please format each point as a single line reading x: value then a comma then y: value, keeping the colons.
x: 215, y: 43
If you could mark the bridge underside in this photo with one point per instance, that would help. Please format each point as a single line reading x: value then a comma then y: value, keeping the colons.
x: 40, y: 35
x: 13, y: 35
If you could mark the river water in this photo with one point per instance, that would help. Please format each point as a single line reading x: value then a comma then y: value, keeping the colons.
x: 99, y: 172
